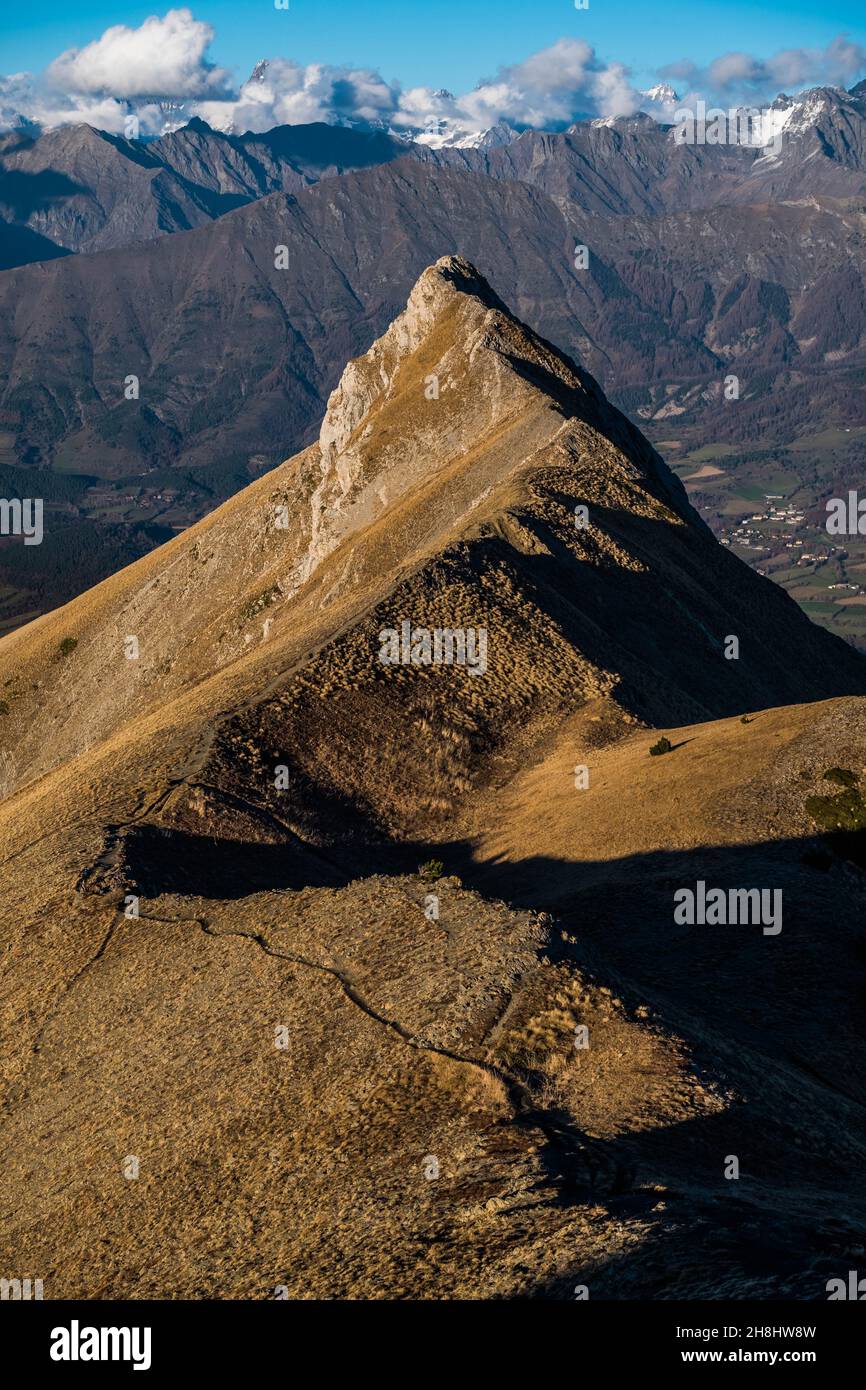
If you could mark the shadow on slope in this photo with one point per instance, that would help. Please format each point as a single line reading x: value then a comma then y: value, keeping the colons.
x: 776, y: 1021
x: 24, y: 193
x: 792, y: 985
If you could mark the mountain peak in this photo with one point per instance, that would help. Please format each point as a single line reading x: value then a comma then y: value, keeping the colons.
x: 456, y: 327
x: 662, y: 93
x: 451, y: 275
x: 195, y: 123
x: 453, y: 370
x: 459, y: 426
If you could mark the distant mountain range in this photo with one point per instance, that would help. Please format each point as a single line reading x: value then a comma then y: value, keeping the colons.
x: 86, y: 190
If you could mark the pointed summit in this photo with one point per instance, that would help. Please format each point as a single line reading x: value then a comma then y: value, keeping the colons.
x: 463, y: 328
x: 455, y: 376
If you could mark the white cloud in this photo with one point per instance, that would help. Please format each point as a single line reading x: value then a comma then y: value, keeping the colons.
x: 288, y: 93
x: 739, y: 76
x: 554, y: 86
x: 167, y: 58
x: 162, y: 57
x: 550, y: 89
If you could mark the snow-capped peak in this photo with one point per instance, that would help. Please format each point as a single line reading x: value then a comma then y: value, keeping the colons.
x: 807, y: 108
x: 662, y: 93
x: 446, y: 134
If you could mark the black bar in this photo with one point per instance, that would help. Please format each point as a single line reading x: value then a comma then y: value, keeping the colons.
x: 233, y: 1337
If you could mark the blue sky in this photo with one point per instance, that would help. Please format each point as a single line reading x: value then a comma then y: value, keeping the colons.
x: 449, y: 43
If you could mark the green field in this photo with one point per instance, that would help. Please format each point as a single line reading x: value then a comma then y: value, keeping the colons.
x: 828, y: 439
x: 709, y: 453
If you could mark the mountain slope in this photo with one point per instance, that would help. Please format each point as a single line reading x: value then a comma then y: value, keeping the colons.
x: 663, y: 311
x: 284, y: 350
x: 85, y: 190
x: 629, y: 167
x: 822, y: 150
x: 635, y: 166
x: 233, y: 364
x: 703, y: 261
x: 251, y: 1051
x: 20, y: 246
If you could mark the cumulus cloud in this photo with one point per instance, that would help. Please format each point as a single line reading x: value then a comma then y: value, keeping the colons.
x: 554, y: 86
x: 282, y: 92
x: 549, y: 90
x: 166, y: 59
x: 163, y: 57
x: 146, y: 71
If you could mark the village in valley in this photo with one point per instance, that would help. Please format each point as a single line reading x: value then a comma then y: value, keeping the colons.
x: 769, y: 508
